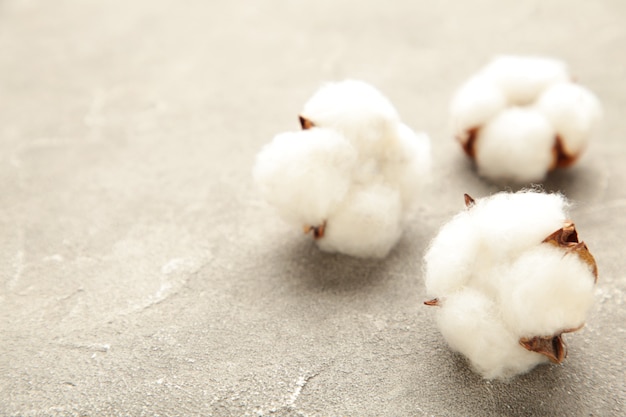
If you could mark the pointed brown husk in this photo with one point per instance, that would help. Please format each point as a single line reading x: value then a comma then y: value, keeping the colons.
x: 318, y: 231
x: 305, y: 123
x: 469, y: 201
x: 432, y: 303
x: 468, y: 141
x: 567, y: 238
x: 551, y: 346
x: 561, y: 158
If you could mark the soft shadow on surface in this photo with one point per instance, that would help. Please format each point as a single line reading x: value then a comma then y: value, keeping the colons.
x: 579, y: 183
x: 545, y: 390
x: 307, y: 266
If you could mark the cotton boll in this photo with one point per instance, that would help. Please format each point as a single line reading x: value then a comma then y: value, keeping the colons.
x: 509, y: 276
x: 357, y: 110
x: 516, y: 146
x: 366, y: 224
x: 353, y: 173
x: 574, y: 112
x: 305, y: 174
x: 546, y: 291
x: 521, y: 117
x: 468, y: 322
x: 523, y: 79
x: 477, y: 101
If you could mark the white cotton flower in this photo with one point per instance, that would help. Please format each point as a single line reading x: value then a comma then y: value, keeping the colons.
x: 520, y: 117
x: 509, y: 278
x: 351, y: 175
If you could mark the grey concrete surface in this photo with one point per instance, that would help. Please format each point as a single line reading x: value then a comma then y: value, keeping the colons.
x: 140, y: 274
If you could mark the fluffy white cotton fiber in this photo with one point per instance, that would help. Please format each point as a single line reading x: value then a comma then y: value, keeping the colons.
x: 520, y: 117
x: 305, y: 174
x: 351, y: 175
x: 500, y: 275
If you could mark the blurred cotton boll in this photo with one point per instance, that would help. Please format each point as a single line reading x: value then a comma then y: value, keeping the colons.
x: 509, y: 277
x: 351, y: 175
x: 521, y: 117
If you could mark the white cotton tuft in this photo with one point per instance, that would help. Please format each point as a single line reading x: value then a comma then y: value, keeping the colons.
x: 545, y: 290
x: 497, y: 280
x: 367, y: 224
x: 573, y: 111
x: 451, y: 256
x: 467, y: 323
x: 352, y: 175
x: 522, y: 79
x: 521, y: 117
x: 516, y: 145
x: 510, y: 223
x: 306, y: 174
x: 476, y: 102
x: 358, y: 111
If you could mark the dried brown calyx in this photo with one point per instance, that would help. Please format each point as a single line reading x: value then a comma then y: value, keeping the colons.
x: 305, y: 123
x: 561, y: 159
x: 567, y: 238
x: 469, y: 201
x: 553, y: 347
x: 468, y: 141
x: 318, y: 231
x: 432, y: 303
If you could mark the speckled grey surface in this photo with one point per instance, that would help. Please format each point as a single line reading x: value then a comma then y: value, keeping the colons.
x: 140, y: 274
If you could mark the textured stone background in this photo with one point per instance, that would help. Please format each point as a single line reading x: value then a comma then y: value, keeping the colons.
x: 140, y: 274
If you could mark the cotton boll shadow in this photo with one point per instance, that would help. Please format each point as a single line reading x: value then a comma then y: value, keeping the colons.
x: 307, y: 270
x: 544, y: 390
x: 579, y: 182
x: 318, y: 271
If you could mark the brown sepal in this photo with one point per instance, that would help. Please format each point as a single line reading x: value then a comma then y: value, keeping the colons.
x: 469, y: 201
x: 318, y: 231
x: 551, y: 346
x: 561, y: 159
x: 305, y: 123
x: 567, y: 238
x: 468, y: 141
x: 432, y: 303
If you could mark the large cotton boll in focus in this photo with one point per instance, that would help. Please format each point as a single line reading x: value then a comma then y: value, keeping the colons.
x: 523, y: 79
x: 366, y: 224
x: 357, y: 110
x: 545, y: 291
x: 466, y: 321
x: 573, y: 111
x: 509, y: 276
x: 305, y: 174
x: 516, y: 145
